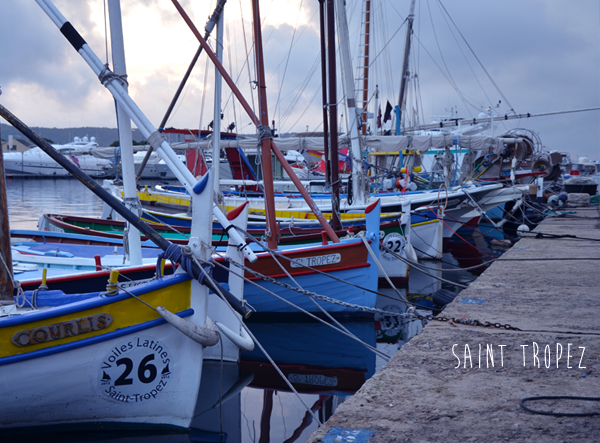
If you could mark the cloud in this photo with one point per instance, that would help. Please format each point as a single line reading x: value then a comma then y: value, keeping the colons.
x: 542, y: 56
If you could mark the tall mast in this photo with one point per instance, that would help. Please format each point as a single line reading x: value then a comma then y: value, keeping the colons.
x: 6, y: 286
x: 125, y: 138
x: 358, y: 188
x: 264, y: 132
x: 405, y: 73
x: 212, y: 21
x: 313, y: 206
x: 365, y: 66
x: 326, y: 145
x: 216, y: 153
x: 333, y: 128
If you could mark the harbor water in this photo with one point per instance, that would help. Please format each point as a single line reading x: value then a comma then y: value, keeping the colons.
x: 249, y: 401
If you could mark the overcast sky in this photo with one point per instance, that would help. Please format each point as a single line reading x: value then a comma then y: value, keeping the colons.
x: 534, y: 56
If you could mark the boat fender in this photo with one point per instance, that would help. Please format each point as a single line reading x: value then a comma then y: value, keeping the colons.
x: 410, y: 252
x: 521, y: 230
x: 242, y: 341
x: 399, y: 182
x: 206, y: 336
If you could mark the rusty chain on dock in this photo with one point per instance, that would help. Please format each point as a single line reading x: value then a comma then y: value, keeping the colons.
x: 467, y: 322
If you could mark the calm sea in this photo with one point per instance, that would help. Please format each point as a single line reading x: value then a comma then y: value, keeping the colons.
x: 248, y: 401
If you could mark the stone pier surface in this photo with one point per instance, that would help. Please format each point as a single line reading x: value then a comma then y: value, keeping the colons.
x: 548, y: 287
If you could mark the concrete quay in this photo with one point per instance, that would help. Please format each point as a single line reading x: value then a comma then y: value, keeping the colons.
x: 441, y: 387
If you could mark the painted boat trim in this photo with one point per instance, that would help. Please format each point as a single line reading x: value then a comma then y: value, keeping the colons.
x: 90, y: 340
x: 93, y: 303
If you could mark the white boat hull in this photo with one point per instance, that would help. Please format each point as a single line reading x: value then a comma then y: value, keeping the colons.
x: 46, y: 391
x: 37, y: 163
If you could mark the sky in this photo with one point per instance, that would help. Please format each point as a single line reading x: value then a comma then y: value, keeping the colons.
x: 529, y: 56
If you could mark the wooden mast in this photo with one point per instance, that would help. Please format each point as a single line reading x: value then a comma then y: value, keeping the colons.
x: 6, y: 285
x: 359, y: 185
x: 264, y: 132
x: 312, y: 205
x: 212, y: 21
x: 365, y: 95
x: 405, y: 73
x: 326, y: 145
x: 333, y: 128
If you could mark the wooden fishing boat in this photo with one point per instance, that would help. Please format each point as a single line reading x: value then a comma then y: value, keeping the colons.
x: 316, y: 267
x: 392, y: 233
x: 102, y: 357
x: 113, y: 355
x: 177, y: 229
x: 461, y: 206
x: 107, y: 354
x: 300, y: 226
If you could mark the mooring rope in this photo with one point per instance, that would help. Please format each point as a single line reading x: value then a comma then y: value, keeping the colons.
x: 304, y: 311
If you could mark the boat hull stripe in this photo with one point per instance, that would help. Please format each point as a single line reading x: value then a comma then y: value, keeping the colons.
x: 89, y: 341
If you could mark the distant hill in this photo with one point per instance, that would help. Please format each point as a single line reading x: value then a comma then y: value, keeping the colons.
x: 104, y: 136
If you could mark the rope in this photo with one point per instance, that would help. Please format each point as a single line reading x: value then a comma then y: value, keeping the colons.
x: 556, y: 236
x: 21, y: 295
x: 438, y: 196
x: 560, y: 414
x: 168, y: 225
x: 137, y: 298
x: 314, y: 269
x: 455, y: 233
x: 107, y: 76
x: 16, y: 285
x: 255, y: 340
x: 310, y: 314
x: 378, y: 263
x: 481, y: 211
x: 418, y: 267
x: 305, y: 292
x: 34, y: 296
x: 183, y: 256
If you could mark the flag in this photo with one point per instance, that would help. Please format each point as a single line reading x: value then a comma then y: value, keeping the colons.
x: 388, y: 112
x: 379, y: 118
x: 75, y: 160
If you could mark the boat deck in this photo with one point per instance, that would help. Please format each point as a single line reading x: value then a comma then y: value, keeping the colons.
x: 547, y: 287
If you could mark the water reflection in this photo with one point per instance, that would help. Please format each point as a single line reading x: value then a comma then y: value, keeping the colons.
x: 27, y: 199
x: 323, y: 365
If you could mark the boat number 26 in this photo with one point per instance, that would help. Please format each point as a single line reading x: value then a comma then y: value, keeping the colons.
x: 146, y: 371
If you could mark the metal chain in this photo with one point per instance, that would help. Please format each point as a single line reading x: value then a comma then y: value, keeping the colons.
x: 468, y: 322
x: 313, y: 294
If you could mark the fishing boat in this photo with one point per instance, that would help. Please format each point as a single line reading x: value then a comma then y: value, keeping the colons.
x: 392, y: 230
x: 130, y: 362
x: 121, y: 356
x: 316, y: 267
x: 349, y: 257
